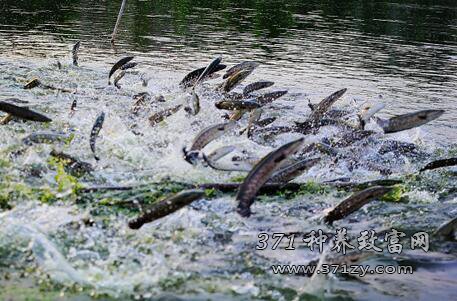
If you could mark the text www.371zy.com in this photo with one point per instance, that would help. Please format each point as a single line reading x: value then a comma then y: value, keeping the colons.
x: 358, y: 270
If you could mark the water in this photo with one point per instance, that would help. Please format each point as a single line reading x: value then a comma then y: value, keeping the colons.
x: 401, y: 53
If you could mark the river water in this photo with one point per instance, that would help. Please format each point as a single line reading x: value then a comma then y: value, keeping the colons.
x: 400, y: 53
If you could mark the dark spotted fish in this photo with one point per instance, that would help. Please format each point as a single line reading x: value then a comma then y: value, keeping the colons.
x: 234, y: 80
x: 129, y: 66
x: 355, y: 202
x: 95, y: 131
x: 439, y: 164
x: 208, y: 70
x: 73, y: 107
x: 233, y: 105
x: 209, y: 134
x: 118, y: 65
x: 408, y: 121
x: 45, y: 137
x: 118, y: 78
x: 166, y: 207
x: 72, y: 164
x: 290, y: 172
x: 74, y: 53
x: 260, y: 174
x: 247, y: 65
x: 256, y: 86
x: 270, y: 97
x: 324, y: 105
x: 23, y: 112
x: 190, y: 79
x: 160, y: 116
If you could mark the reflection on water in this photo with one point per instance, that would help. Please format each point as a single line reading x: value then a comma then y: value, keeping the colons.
x: 404, y: 51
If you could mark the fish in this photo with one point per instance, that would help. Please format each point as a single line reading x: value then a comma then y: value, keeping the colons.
x: 118, y: 78
x: 439, y: 163
x: 129, y: 66
x: 234, y: 80
x: 242, y: 166
x: 270, y: 97
x: 220, y: 153
x: 74, y: 53
x: 233, y: 105
x: 204, y: 137
x: 325, y: 104
x: 165, y: 207
x: 408, y: 121
x: 95, y: 131
x: 247, y: 65
x: 23, y: 112
x: 256, y: 86
x: 72, y: 164
x: 368, y: 111
x: 290, y: 172
x: 118, y: 65
x: 32, y: 84
x: 141, y: 100
x: 355, y: 202
x: 73, y: 108
x: 208, y: 70
x: 160, y: 116
x: 45, y: 137
x: 254, y: 116
x: 190, y: 79
x: 261, y: 173
x: 194, y: 104
x: 448, y: 229
x: 352, y: 137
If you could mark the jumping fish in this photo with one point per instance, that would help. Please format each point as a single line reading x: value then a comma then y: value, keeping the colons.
x: 355, y: 202
x: 95, y: 131
x: 74, y: 53
x: 190, y: 79
x: 220, y: 153
x: 247, y: 65
x: 439, y: 164
x: 260, y: 174
x: 23, y: 112
x: 256, y: 86
x: 45, y: 137
x: 234, y: 80
x: 290, y: 172
x: 194, y: 103
x: 72, y: 164
x: 166, y: 207
x: 118, y: 78
x: 208, y: 70
x: 270, y: 97
x: 32, y: 84
x: 233, y: 105
x: 325, y: 105
x: 160, y: 116
x: 118, y: 65
x: 408, y: 121
x: 204, y: 138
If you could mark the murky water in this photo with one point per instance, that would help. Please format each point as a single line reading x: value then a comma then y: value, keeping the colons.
x: 400, y: 53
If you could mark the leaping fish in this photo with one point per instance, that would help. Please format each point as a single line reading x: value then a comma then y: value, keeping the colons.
x: 408, y: 121
x: 95, y: 131
x: 204, y: 138
x: 74, y: 53
x: 23, y: 112
x: 166, y: 207
x: 260, y: 174
x: 118, y: 65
